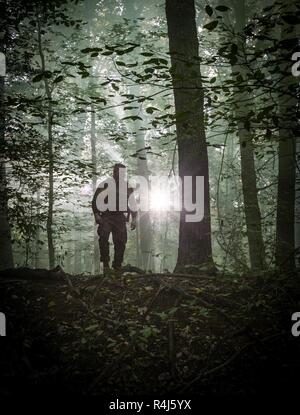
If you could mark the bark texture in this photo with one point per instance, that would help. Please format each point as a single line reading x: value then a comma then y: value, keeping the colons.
x: 194, y: 238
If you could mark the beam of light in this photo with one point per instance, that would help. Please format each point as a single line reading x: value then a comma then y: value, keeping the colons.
x: 159, y: 201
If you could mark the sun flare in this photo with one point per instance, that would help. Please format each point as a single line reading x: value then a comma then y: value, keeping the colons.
x: 159, y: 201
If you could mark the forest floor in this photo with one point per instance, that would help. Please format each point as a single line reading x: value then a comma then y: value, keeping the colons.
x: 148, y: 334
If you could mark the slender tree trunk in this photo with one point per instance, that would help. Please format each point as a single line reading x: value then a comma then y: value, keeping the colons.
x: 49, y: 226
x: 6, y: 253
x: 96, y: 256
x: 90, y: 15
x: 194, y: 237
x: 137, y: 245
x: 288, y: 133
x: 165, y: 245
x: 77, y: 244
x: 145, y: 228
x: 68, y: 262
x: 144, y: 219
x: 38, y: 232
x: 132, y: 10
x: 248, y: 172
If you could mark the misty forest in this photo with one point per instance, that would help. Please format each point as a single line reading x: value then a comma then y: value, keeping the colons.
x: 168, y: 88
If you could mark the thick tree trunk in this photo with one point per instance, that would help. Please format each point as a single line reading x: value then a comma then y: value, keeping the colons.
x: 286, y: 197
x: 49, y: 226
x: 248, y: 172
x: 6, y: 253
x: 297, y: 202
x: 194, y: 237
x: 288, y: 133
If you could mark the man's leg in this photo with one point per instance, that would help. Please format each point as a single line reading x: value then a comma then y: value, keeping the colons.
x: 104, y: 231
x: 119, y: 233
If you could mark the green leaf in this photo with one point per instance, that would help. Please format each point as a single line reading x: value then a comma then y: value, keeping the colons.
x: 163, y: 315
x: 130, y: 108
x: 212, y: 25
x: 133, y: 118
x: 147, y: 332
x: 88, y: 50
x: 163, y: 61
x: 222, y: 8
x: 150, y: 110
x: 68, y: 63
x: 115, y: 87
x: 209, y: 10
x: 92, y: 327
x: 128, y: 50
x: 58, y: 79
x: 154, y: 61
x: 38, y: 77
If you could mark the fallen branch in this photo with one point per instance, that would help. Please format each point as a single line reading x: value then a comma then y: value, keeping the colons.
x: 166, y: 274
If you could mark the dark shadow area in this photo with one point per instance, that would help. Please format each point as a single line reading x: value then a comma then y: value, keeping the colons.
x: 149, y: 335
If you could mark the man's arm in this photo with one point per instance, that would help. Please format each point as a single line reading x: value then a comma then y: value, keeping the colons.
x: 96, y: 211
x: 132, y: 207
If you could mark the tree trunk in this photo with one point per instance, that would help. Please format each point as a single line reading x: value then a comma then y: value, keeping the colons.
x: 38, y: 233
x: 77, y: 244
x: 145, y: 228
x: 248, y: 172
x: 90, y: 15
x: 144, y: 243
x: 297, y: 202
x: 6, y: 253
x: 288, y: 133
x: 51, y: 253
x: 194, y: 237
x: 96, y: 256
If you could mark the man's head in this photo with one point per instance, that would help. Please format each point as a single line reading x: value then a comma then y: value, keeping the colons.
x: 116, y: 171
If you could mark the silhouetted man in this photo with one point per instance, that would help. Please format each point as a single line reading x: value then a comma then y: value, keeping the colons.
x: 112, y: 211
